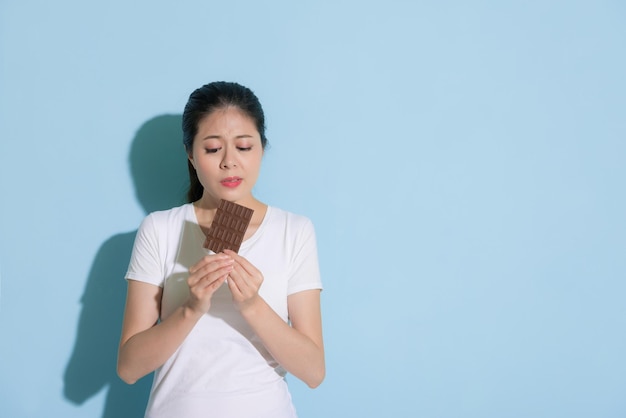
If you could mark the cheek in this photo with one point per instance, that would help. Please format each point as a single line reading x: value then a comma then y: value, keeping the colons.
x: 205, y: 168
x: 257, y: 165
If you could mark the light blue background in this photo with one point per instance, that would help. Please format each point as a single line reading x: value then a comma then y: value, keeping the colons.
x: 463, y: 163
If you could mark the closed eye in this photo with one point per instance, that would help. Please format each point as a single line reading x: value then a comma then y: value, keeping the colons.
x: 244, y: 148
x: 211, y: 150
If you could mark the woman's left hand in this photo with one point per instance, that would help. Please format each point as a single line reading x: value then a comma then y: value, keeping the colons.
x: 244, y: 281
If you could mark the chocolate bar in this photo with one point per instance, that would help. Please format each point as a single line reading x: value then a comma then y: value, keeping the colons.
x: 228, y: 227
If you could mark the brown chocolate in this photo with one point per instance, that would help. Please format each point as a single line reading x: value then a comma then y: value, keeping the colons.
x: 228, y: 227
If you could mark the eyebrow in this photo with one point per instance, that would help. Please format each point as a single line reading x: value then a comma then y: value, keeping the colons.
x: 219, y: 137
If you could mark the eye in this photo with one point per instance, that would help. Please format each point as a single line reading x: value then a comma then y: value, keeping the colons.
x: 211, y: 150
x: 244, y: 148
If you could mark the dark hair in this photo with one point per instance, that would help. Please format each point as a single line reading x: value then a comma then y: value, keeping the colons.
x: 204, y: 101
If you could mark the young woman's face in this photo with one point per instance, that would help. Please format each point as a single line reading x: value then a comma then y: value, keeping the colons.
x: 226, y: 154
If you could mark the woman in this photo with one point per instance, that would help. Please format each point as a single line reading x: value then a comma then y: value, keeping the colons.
x: 221, y: 330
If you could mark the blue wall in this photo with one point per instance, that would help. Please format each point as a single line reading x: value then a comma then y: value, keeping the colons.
x: 463, y: 163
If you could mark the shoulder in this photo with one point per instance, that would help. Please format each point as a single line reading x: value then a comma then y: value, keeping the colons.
x: 169, y: 216
x: 289, y: 219
x: 159, y: 223
x: 289, y: 225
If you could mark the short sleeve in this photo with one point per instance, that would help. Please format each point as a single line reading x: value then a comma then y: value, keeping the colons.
x: 304, y: 272
x: 146, y: 263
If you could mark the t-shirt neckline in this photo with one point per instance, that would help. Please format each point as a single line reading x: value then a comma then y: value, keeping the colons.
x: 247, y: 242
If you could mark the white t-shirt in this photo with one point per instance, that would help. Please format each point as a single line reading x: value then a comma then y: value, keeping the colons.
x: 222, y: 369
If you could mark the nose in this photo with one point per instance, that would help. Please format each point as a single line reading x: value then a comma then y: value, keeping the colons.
x: 228, y: 161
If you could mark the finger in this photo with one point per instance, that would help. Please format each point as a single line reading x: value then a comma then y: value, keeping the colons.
x: 207, y: 259
x: 217, y: 276
x: 218, y: 283
x: 203, y: 274
x: 213, y: 265
x: 247, y: 266
x: 233, y: 285
x: 213, y: 286
x: 210, y: 273
x: 245, y: 283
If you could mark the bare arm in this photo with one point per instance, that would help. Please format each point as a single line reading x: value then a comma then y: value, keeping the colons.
x: 145, y: 343
x: 298, y: 348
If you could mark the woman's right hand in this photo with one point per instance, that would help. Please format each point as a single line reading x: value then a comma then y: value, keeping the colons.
x: 205, y: 277
x: 146, y: 343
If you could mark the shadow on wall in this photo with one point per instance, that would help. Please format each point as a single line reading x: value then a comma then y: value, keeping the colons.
x: 159, y: 170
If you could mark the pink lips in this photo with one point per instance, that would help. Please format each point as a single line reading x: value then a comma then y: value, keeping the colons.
x: 231, y: 181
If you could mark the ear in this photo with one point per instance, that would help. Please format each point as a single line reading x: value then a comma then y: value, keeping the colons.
x: 190, y: 158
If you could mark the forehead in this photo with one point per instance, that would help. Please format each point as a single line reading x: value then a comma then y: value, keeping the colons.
x: 227, y: 120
